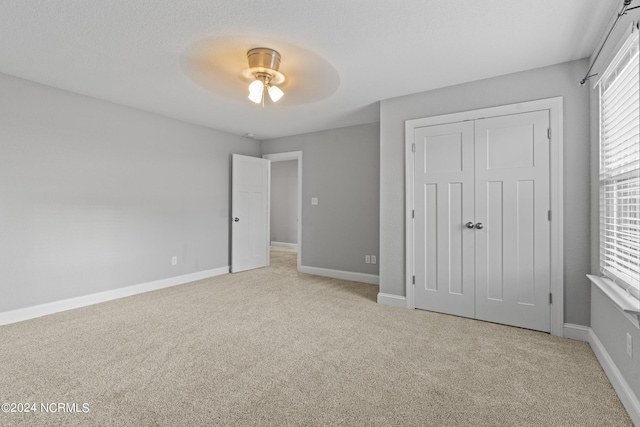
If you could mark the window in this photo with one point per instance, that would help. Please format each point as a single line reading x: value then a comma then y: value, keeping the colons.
x: 620, y: 169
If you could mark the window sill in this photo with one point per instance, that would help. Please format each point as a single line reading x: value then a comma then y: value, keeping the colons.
x: 625, y: 302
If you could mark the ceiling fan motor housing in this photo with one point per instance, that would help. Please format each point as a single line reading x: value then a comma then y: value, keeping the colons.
x: 263, y: 60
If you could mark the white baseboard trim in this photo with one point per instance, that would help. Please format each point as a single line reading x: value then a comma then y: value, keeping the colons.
x: 576, y: 332
x: 625, y: 393
x: 339, y: 274
x: 392, y: 300
x: 32, y: 312
x: 285, y: 245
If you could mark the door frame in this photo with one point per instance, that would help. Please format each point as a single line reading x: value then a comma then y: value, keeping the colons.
x: 282, y: 157
x: 555, y: 107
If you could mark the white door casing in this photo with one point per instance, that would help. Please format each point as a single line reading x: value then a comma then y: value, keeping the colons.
x: 526, y: 272
x: 250, y: 178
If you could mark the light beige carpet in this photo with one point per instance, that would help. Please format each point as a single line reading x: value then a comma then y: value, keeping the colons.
x: 272, y: 347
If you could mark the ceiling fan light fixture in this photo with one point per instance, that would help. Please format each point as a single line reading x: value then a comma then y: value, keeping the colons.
x: 275, y: 93
x: 256, y: 88
x: 264, y: 64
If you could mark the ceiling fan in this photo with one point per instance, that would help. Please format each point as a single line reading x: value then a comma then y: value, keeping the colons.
x: 264, y: 64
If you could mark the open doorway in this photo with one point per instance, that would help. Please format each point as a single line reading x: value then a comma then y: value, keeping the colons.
x: 286, y: 227
x: 284, y: 204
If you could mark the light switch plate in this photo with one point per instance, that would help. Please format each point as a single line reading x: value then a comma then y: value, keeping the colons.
x: 314, y: 201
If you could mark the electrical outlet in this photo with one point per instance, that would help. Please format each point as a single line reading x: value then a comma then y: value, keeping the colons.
x: 629, y: 345
x: 373, y: 259
x: 367, y: 259
x: 314, y: 201
x: 174, y: 260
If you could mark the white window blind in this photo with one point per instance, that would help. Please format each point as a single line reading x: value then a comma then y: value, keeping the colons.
x: 620, y: 169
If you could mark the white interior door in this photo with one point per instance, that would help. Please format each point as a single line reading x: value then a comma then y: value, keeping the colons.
x: 481, y: 230
x: 249, y: 212
x: 444, y: 247
x: 512, y: 203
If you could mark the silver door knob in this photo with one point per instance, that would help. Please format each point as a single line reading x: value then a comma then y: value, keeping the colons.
x: 479, y: 226
x: 236, y: 219
x: 470, y: 225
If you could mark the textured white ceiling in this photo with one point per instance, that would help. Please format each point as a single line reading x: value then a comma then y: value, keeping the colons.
x: 179, y: 58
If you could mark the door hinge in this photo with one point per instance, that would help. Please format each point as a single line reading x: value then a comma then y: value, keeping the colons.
x: 549, y: 133
x: 413, y: 280
x: 413, y: 213
x: 413, y: 148
x: 550, y: 298
x: 549, y: 215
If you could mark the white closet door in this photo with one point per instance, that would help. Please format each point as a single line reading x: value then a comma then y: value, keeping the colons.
x: 512, y: 203
x: 443, y: 188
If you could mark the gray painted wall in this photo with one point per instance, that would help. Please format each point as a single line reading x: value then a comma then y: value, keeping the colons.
x: 611, y: 327
x: 341, y: 168
x: 607, y: 322
x: 284, y: 201
x: 557, y: 80
x: 95, y: 196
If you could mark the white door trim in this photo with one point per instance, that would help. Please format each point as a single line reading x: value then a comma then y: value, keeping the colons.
x: 555, y: 107
x: 293, y: 155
